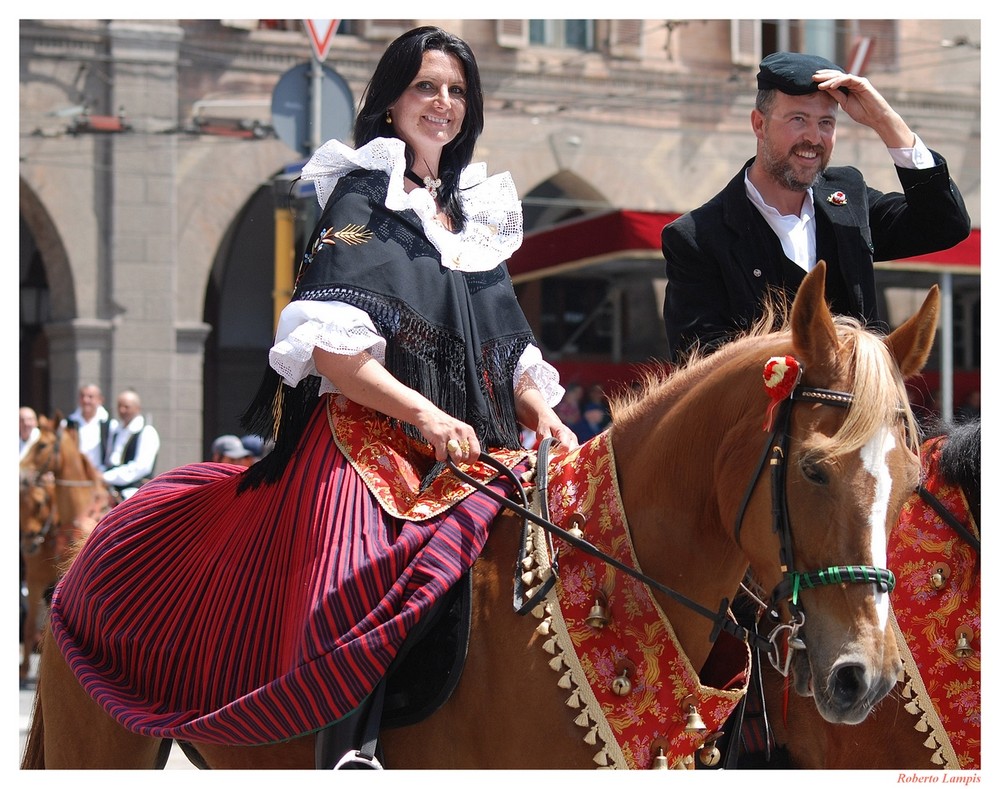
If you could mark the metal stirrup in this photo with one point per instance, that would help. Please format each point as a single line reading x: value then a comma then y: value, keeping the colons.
x: 356, y: 760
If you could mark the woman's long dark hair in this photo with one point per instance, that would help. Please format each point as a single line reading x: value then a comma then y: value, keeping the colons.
x: 399, y: 65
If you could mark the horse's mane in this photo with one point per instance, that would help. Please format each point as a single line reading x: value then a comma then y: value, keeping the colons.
x: 961, y: 456
x: 879, y: 393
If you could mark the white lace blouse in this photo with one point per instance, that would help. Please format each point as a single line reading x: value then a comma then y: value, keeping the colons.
x: 493, y: 231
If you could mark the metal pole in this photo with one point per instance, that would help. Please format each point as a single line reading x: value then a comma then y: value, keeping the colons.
x: 316, y: 101
x: 947, y: 349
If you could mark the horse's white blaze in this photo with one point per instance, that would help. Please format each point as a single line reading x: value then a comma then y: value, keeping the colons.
x: 875, y: 457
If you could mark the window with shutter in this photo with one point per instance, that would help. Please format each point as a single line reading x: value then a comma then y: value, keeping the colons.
x: 745, y: 41
x: 561, y: 33
x: 884, y: 35
x: 626, y: 38
x: 512, y: 33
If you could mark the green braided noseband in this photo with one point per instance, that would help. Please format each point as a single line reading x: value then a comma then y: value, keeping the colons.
x: 854, y: 574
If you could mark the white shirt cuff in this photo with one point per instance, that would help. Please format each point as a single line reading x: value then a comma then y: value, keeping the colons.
x: 918, y: 157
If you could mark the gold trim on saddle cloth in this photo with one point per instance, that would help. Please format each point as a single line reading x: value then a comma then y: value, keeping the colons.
x: 392, y: 463
x: 941, y: 752
x: 937, y: 595
x: 627, y: 721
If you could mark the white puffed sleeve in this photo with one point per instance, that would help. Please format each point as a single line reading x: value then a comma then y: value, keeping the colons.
x: 542, y: 374
x: 334, y: 326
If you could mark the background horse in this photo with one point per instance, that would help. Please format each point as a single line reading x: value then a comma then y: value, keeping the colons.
x: 932, y: 718
x: 683, y: 460
x: 61, y: 495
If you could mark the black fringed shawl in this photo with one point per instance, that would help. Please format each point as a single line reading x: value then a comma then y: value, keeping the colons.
x: 455, y: 337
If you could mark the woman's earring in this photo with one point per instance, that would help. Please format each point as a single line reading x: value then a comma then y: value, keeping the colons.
x: 388, y: 118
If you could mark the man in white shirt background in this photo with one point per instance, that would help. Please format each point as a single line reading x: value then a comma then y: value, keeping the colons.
x: 93, y: 423
x: 28, y: 428
x: 132, y: 448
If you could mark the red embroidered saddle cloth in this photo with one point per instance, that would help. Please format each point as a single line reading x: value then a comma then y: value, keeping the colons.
x: 626, y: 728
x: 942, y: 686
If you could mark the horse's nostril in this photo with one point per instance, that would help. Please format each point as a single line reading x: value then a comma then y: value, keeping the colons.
x: 848, y: 684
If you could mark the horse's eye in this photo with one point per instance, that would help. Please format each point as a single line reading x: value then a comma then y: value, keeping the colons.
x: 814, y: 473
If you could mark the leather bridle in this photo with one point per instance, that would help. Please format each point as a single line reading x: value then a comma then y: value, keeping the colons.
x: 51, y: 523
x: 792, y: 582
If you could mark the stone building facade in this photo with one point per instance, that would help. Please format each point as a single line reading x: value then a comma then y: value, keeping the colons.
x: 155, y: 189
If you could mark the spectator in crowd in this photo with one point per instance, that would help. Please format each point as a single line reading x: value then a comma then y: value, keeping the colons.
x: 257, y: 446
x: 597, y: 397
x: 28, y: 429
x: 230, y: 449
x: 93, y: 424
x: 593, y: 422
x: 569, y: 408
x: 132, y: 447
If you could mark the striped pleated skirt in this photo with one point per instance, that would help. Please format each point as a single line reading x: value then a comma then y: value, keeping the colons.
x: 199, y: 613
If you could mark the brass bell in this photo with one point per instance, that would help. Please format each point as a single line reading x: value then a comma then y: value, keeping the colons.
x: 621, y: 685
x: 709, y: 755
x: 939, y: 576
x: 576, y: 522
x: 598, y: 616
x: 694, y: 721
x: 963, y: 645
x: 660, y: 761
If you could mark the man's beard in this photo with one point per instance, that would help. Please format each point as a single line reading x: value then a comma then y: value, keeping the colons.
x: 783, y: 171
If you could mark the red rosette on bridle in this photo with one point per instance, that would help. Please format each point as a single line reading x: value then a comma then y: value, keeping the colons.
x: 781, y: 374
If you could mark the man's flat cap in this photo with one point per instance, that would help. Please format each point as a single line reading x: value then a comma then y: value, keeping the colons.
x: 791, y: 72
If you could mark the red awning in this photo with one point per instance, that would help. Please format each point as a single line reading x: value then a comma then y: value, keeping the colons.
x: 615, y: 235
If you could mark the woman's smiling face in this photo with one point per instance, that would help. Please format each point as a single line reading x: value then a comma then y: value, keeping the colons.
x: 430, y: 112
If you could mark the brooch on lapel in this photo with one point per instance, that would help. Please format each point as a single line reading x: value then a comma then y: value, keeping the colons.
x: 837, y: 198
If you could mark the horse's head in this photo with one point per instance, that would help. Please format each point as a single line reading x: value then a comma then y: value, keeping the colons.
x: 43, y: 455
x: 847, y: 467
x: 36, y: 510
x: 56, y: 464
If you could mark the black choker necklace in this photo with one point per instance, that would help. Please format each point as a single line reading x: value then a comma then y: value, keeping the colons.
x: 430, y: 184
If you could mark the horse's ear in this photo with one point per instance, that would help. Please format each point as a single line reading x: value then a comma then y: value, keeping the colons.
x: 911, y: 343
x: 814, y: 337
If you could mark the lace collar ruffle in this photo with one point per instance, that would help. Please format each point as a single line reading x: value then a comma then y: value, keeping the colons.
x: 494, y: 224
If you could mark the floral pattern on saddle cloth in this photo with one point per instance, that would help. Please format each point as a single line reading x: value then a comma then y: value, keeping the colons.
x: 392, y: 464
x: 627, y: 730
x: 942, y: 689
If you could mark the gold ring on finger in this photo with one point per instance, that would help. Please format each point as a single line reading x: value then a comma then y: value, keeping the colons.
x: 465, y: 446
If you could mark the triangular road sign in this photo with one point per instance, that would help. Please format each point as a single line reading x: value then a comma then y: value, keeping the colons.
x: 321, y: 32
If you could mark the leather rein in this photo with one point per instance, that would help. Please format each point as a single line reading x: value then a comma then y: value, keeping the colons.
x: 775, y: 451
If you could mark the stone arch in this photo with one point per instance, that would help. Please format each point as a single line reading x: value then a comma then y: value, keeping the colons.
x: 239, y: 306
x: 46, y: 295
x: 44, y: 237
x: 562, y: 196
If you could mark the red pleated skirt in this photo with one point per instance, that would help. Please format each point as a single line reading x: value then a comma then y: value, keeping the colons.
x: 199, y: 613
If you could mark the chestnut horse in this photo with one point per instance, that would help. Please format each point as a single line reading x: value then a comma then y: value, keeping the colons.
x: 708, y: 488
x: 61, y: 496
x: 932, y: 718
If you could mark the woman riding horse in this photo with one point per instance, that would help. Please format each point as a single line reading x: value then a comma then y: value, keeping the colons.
x: 791, y: 452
